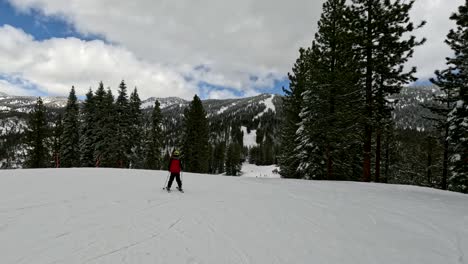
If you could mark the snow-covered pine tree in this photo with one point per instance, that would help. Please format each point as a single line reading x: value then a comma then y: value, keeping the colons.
x: 70, y: 138
x: 393, y: 50
x: 454, y: 82
x: 36, y: 134
x: 56, y: 139
x: 292, y: 104
x: 195, y: 149
x: 327, y: 131
x: 99, y: 117
x: 154, y: 142
x: 110, y: 131
x: 380, y: 29
x: 106, y: 145
x: 123, y: 124
x: 136, y: 131
x: 88, y: 131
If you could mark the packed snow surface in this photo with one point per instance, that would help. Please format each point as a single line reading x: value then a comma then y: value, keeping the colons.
x: 251, y: 170
x: 123, y: 216
x: 250, y: 139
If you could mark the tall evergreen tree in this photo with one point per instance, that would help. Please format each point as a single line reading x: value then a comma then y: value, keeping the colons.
x: 88, y: 131
x: 106, y: 147
x: 195, y: 149
x: 233, y: 162
x: 112, y: 149
x: 136, y: 131
x: 154, y: 143
x: 326, y: 132
x: 36, y: 134
x: 70, y: 147
x: 57, y: 142
x: 380, y: 27
x: 123, y: 125
x: 453, y: 81
x: 99, y: 117
x: 292, y: 104
x: 219, y: 154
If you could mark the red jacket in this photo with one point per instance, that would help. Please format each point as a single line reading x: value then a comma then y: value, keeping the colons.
x: 175, y: 165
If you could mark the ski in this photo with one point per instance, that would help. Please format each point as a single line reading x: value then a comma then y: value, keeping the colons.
x: 180, y: 190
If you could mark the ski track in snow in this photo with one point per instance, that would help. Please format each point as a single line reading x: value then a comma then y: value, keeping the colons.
x: 124, y: 216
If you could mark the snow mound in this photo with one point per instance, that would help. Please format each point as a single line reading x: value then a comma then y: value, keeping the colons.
x: 123, y: 216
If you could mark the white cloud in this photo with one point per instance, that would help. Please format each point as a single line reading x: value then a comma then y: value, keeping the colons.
x: 13, y: 89
x: 163, y: 41
x: 431, y: 56
x: 55, y: 65
x: 221, y: 94
x: 237, y: 39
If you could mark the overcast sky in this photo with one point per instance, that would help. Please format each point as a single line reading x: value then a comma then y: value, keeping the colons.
x: 217, y: 49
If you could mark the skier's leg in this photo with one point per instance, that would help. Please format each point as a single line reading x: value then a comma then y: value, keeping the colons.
x: 179, y: 182
x: 171, y: 179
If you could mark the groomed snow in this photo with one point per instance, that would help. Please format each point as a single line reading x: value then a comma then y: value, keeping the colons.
x: 123, y: 216
x: 250, y: 139
x: 269, y: 106
x: 254, y: 171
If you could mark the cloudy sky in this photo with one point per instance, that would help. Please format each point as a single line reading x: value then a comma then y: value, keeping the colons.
x: 217, y: 49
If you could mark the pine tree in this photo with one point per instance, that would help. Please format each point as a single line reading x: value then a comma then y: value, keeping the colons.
x: 99, y: 117
x: 233, y: 162
x: 453, y: 81
x: 57, y: 142
x: 292, y: 104
x: 112, y: 149
x: 70, y: 147
x: 88, y: 131
x: 36, y: 134
x: 122, y: 119
x: 219, y: 158
x: 379, y: 27
x: 195, y: 149
x: 106, y: 147
x: 136, y: 131
x: 328, y: 115
x: 153, y: 144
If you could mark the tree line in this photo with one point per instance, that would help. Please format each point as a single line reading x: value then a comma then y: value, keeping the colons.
x: 105, y: 131
x: 337, y: 117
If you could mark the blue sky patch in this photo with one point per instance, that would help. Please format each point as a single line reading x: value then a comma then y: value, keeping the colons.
x: 39, y: 26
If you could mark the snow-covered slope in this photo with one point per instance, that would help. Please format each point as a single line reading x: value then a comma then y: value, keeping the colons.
x: 164, y: 102
x: 123, y: 216
x: 254, y: 171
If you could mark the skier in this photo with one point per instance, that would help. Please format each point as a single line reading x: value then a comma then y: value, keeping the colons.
x: 175, y: 167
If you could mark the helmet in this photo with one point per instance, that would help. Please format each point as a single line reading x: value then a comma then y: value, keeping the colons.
x: 176, y: 153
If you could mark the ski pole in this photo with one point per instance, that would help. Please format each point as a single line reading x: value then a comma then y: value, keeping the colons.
x: 167, y: 179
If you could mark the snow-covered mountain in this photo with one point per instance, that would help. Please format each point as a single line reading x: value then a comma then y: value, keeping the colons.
x: 248, y: 115
x: 409, y: 110
x: 123, y: 216
x: 24, y: 104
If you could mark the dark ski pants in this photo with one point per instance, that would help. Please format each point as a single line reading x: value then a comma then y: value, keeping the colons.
x: 177, y: 177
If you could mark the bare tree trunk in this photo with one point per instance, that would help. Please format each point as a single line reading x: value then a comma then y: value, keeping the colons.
x: 444, y: 184
x: 429, y: 161
x: 378, y: 155
x: 366, y: 177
